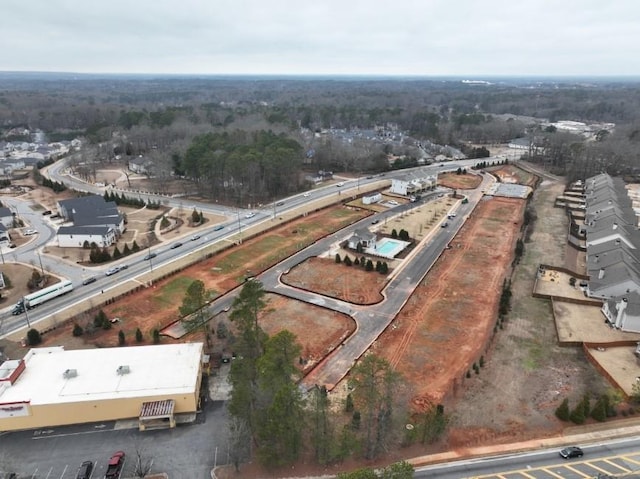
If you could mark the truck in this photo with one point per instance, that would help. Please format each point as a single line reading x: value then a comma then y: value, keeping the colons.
x: 115, y: 465
x: 34, y: 299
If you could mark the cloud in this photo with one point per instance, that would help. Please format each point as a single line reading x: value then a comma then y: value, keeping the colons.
x: 404, y: 37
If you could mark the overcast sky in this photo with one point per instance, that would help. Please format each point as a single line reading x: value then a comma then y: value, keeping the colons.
x: 397, y: 37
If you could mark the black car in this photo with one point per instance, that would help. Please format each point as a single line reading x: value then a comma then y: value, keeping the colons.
x: 150, y: 256
x: 176, y: 245
x: 89, y: 280
x: 570, y: 452
x: 86, y: 468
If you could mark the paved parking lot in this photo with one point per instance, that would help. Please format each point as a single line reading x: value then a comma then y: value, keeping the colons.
x: 188, y: 451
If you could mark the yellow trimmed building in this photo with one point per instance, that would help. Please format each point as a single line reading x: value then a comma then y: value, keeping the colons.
x: 53, y: 387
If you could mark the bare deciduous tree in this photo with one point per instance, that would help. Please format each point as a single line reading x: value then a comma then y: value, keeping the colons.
x: 143, y: 463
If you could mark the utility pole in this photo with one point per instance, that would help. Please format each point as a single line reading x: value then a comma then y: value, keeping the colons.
x: 41, y: 267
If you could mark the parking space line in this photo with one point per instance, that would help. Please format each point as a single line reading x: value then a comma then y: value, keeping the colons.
x: 604, y: 471
x: 580, y: 473
x: 628, y: 458
x: 33, y: 476
x: 526, y: 475
x: 624, y: 469
x: 50, y: 436
x: 49, y: 473
x: 64, y: 470
x: 551, y: 473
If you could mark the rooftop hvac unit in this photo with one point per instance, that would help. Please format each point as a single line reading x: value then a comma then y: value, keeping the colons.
x: 70, y: 373
x: 122, y: 370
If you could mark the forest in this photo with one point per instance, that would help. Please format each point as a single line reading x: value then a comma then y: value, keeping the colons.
x: 240, y: 139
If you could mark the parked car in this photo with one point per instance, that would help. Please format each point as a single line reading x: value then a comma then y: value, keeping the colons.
x: 29, y: 232
x: 150, y: 256
x: 89, y: 280
x: 46, y: 212
x: 176, y: 245
x: 115, y: 465
x: 112, y: 270
x: 85, y: 470
x: 571, y: 452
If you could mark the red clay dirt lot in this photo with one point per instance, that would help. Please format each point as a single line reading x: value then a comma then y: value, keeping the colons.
x: 157, y: 306
x: 445, y: 326
x: 468, y: 181
x: 348, y: 283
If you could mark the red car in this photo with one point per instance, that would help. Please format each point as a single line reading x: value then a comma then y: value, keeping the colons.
x: 115, y: 465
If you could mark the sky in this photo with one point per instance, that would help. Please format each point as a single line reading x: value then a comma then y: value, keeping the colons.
x: 473, y: 38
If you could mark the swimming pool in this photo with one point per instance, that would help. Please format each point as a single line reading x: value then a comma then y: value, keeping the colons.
x: 388, y: 247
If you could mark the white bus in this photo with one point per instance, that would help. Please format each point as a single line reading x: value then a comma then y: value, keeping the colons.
x: 34, y: 299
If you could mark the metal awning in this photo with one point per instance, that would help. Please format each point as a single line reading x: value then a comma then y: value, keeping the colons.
x: 157, y: 409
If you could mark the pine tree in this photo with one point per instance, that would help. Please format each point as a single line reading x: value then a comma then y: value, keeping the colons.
x: 562, y: 411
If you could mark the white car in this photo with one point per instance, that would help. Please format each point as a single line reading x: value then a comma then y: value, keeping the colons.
x: 30, y: 232
x: 307, y: 194
x: 112, y: 270
x: 340, y: 184
x: 393, y: 202
x: 250, y: 215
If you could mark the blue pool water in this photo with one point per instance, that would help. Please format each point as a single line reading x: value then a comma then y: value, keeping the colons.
x: 389, y: 247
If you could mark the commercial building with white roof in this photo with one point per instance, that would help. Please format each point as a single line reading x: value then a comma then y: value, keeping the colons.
x: 53, y: 387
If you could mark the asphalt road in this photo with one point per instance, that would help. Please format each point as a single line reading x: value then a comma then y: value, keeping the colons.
x: 616, y: 457
x: 31, y: 253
